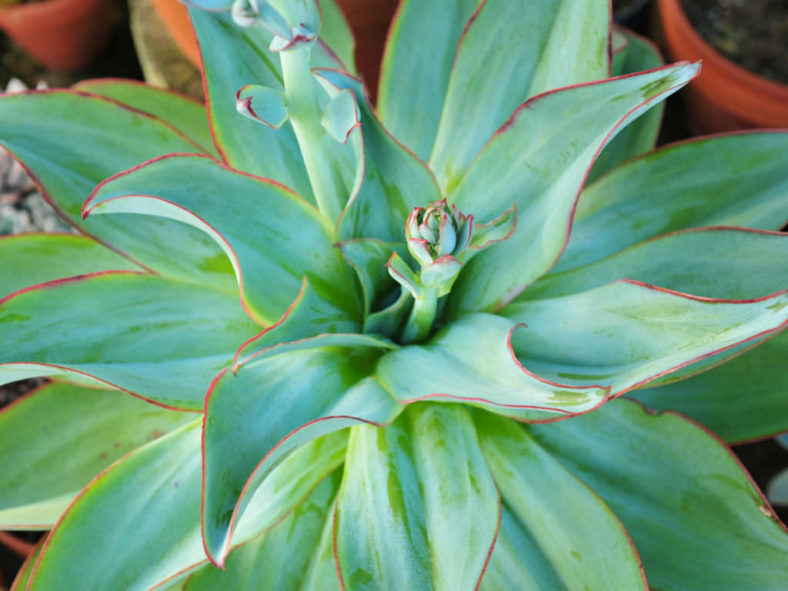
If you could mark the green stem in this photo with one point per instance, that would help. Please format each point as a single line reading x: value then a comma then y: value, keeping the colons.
x: 422, y: 318
x: 305, y: 117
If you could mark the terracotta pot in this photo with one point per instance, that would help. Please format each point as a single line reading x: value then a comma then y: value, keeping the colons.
x: 61, y: 34
x: 176, y: 18
x: 725, y: 96
x: 370, y: 21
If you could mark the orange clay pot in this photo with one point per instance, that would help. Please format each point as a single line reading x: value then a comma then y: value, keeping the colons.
x: 725, y: 96
x: 61, y: 34
x: 176, y: 18
x: 369, y: 20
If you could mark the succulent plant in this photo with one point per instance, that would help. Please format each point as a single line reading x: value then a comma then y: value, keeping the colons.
x: 308, y: 342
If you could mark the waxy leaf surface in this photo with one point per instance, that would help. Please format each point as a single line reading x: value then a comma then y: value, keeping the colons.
x: 740, y: 400
x: 56, y: 439
x: 551, y: 44
x: 29, y: 259
x: 625, y: 334
x: 415, y: 75
x: 270, y: 408
x: 567, y: 535
x: 185, y: 114
x: 279, y: 559
x: 731, y: 180
x: 398, y: 517
x: 696, y: 518
x: 70, y: 142
x: 471, y: 361
x: 394, y: 180
x: 271, y: 236
x: 714, y: 263
x: 160, y: 339
x: 539, y: 161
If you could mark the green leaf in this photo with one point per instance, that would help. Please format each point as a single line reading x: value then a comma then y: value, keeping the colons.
x: 322, y: 573
x: 570, y: 537
x: 29, y: 259
x: 641, y: 135
x: 24, y: 574
x: 393, y: 180
x: 111, y: 539
x: 279, y: 559
x: 271, y: 236
x: 548, y: 44
x: 336, y: 32
x: 270, y: 408
x: 182, y: 112
x: 626, y: 334
x: 694, y: 514
x: 741, y: 400
x: 70, y: 142
x: 243, y: 60
x: 160, y: 339
x: 397, y: 520
x: 455, y: 482
x: 540, y: 165
x: 416, y: 66
x: 717, y: 262
x: 369, y: 258
x: 731, y: 180
x: 307, y: 317
x: 59, y: 437
x: 471, y: 361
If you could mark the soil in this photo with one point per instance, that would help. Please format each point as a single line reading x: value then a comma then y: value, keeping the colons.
x: 751, y: 33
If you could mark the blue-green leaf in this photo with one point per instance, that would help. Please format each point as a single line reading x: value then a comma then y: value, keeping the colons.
x: 271, y: 236
x: 471, y: 361
x: 569, y: 537
x: 626, y: 334
x: 548, y: 44
x: 538, y: 161
x: 731, y: 180
x: 694, y: 514
x: 270, y: 408
x: 160, y: 339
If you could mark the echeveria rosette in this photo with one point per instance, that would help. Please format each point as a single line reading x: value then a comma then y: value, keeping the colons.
x: 405, y: 370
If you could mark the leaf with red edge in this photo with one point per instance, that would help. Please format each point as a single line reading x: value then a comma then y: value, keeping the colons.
x: 640, y: 136
x: 539, y: 160
x: 392, y: 179
x: 415, y: 75
x: 29, y: 259
x: 548, y: 44
x: 694, y: 514
x: 471, y: 361
x: 271, y: 236
x: 57, y: 438
x: 418, y: 507
x: 741, y: 400
x: 267, y: 410
x: 729, y: 180
x: 184, y: 113
x: 722, y: 262
x: 70, y: 141
x: 626, y: 334
x: 566, y: 536
x: 159, y: 339
x: 280, y: 558
x: 245, y: 60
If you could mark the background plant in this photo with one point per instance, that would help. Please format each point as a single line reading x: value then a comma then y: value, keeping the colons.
x: 318, y: 367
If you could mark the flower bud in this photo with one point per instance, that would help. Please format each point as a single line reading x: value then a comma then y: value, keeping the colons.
x: 436, y: 231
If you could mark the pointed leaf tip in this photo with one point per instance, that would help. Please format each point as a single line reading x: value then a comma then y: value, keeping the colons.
x: 341, y: 116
